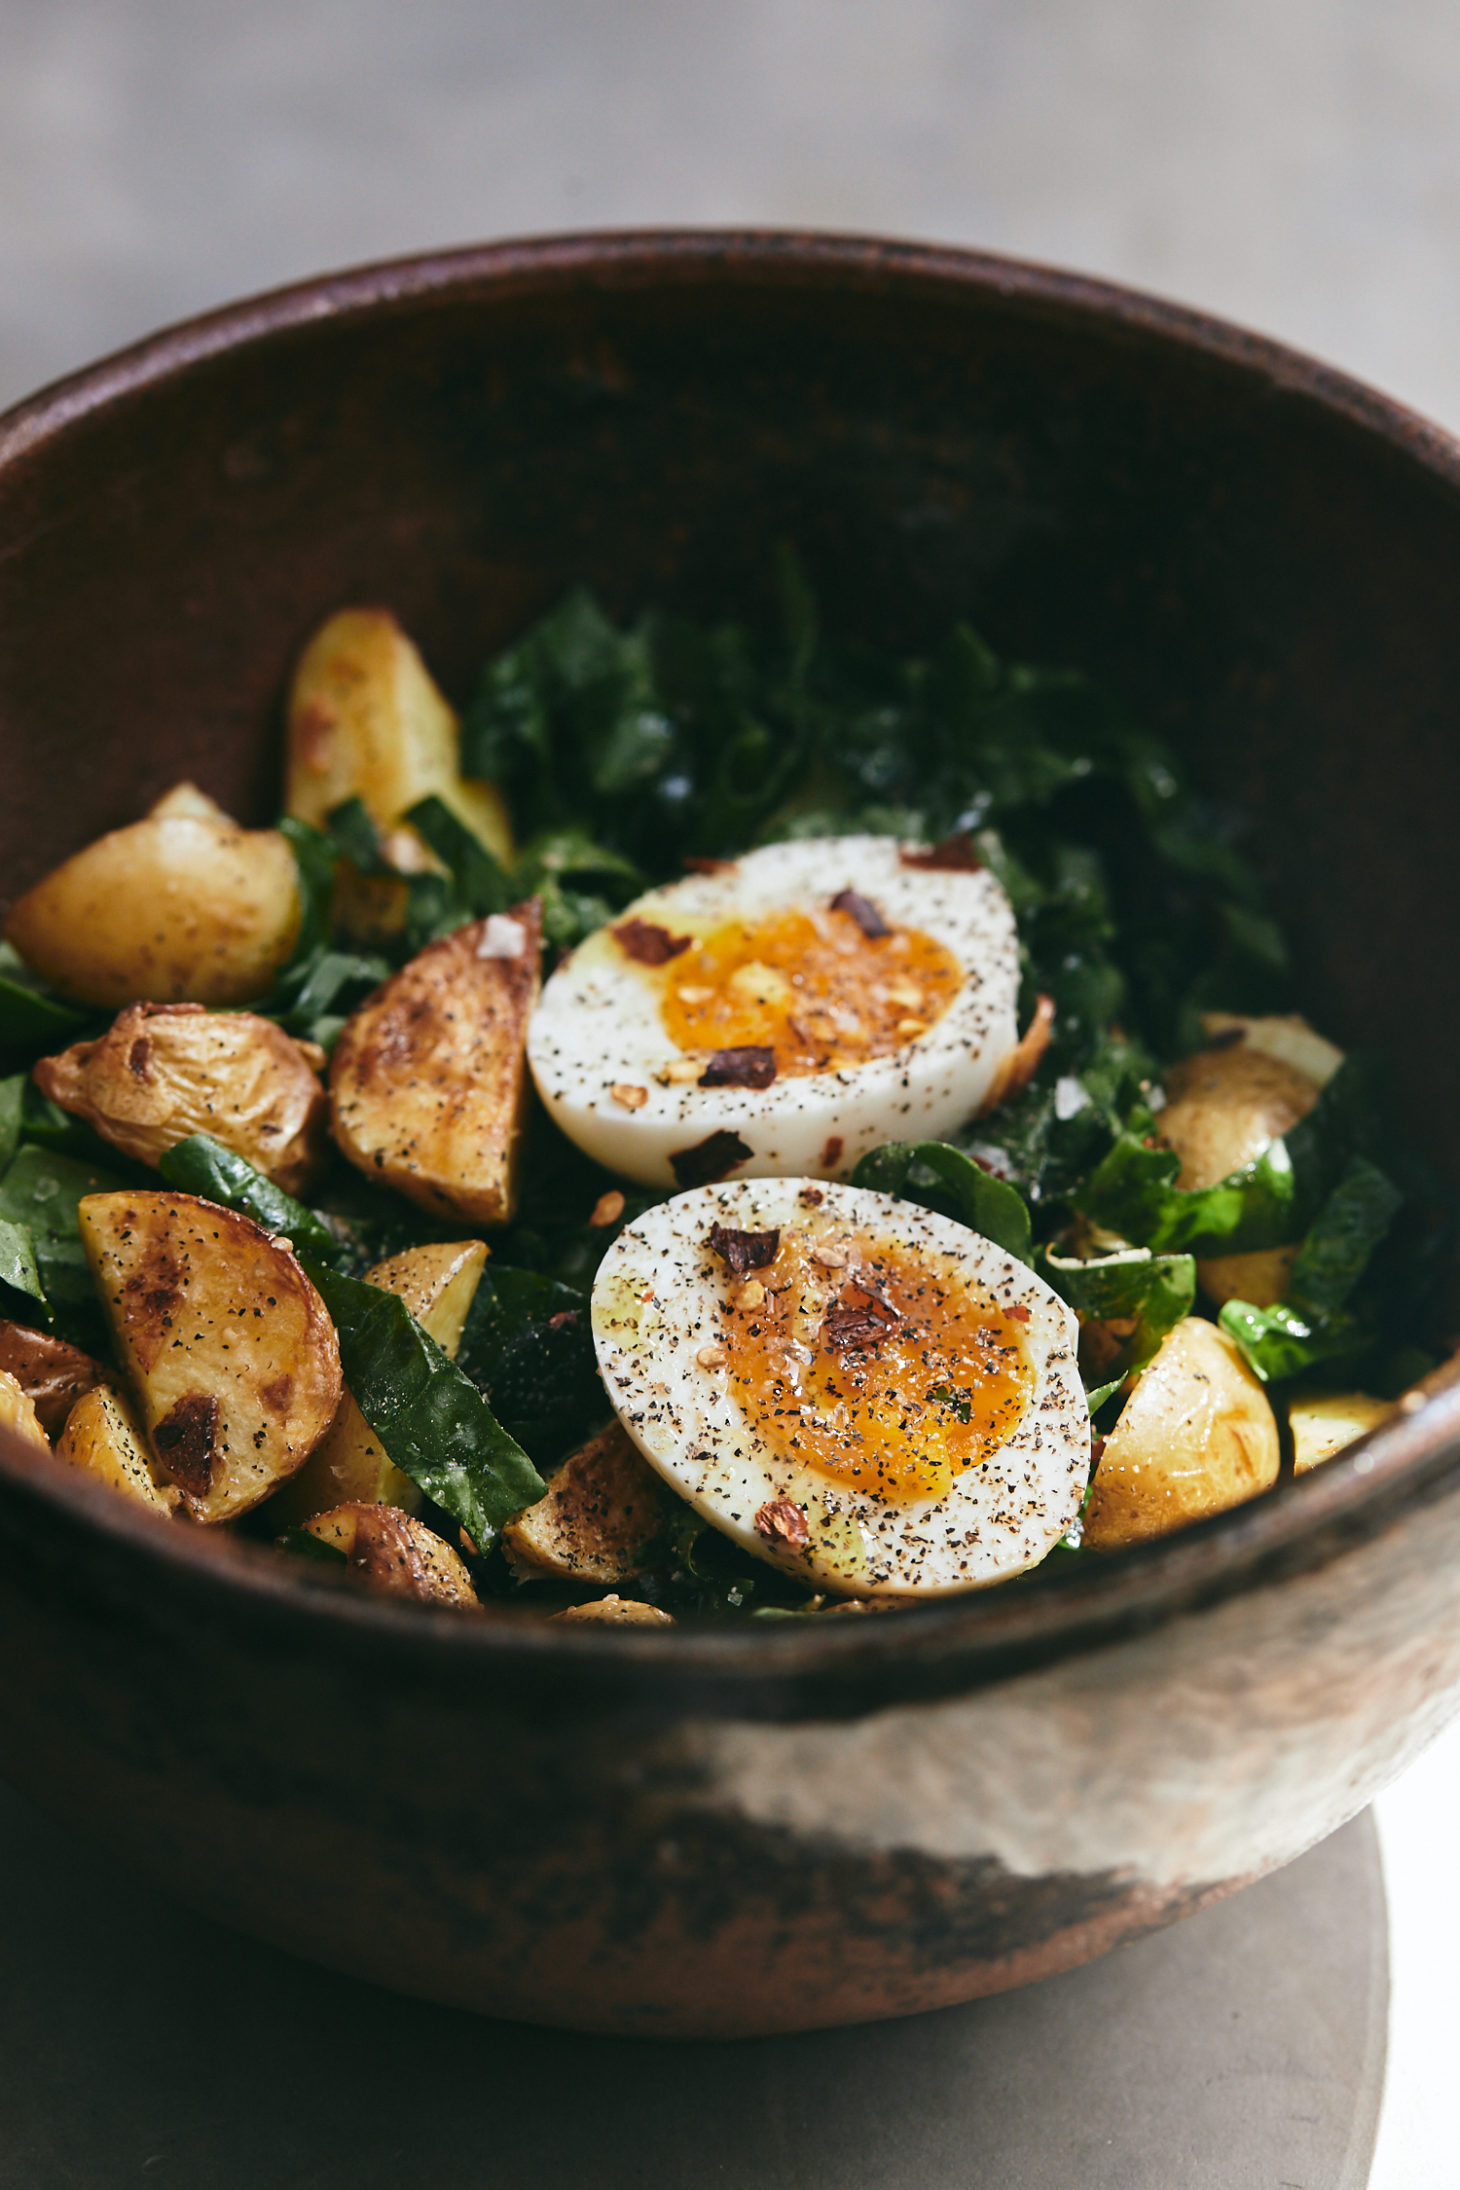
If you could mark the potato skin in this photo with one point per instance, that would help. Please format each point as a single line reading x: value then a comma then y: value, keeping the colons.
x: 18, y: 1415
x: 616, y: 1612
x: 350, y: 1465
x: 52, y: 1374
x: 1322, y: 1423
x: 603, y: 1509
x: 428, y: 1082
x: 1197, y: 1435
x: 396, y: 1553
x: 228, y: 1346
x: 163, y: 1071
x: 176, y: 906
x: 102, y: 1440
x: 367, y: 721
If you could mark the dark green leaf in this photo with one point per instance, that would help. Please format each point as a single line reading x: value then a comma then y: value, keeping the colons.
x: 528, y: 1346
x: 1281, y: 1342
x: 200, y: 1165
x: 1349, y: 1227
x: 12, y: 1106
x: 1155, y: 1290
x: 305, y: 1545
x: 943, y: 1178
x: 433, y: 1422
x: 480, y: 884
x: 18, y: 1271
x: 31, y: 1016
x: 41, y: 1191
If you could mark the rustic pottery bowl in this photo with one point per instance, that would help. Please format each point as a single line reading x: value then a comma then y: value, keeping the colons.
x: 721, y: 1832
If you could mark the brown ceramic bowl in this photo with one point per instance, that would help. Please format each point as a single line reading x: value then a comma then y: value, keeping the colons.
x: 733, y: 1831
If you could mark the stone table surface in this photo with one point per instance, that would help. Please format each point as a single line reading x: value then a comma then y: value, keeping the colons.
x: 1294, y: 164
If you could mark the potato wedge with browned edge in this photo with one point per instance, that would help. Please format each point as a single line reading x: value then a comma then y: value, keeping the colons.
x: 603, y: 1509
x: 366, y: 721
x: 102, y: 1440
x: 164, y: 1071
x: 350, y: 1465
x: 229, y: 1348
x: 17, y: 1412
x: 1196, y: 1436
x: 395, y: 1553
x: 52, y: 1374
x: 176, y: 906
x: 428, y: 1082
x: 1322, y: 1423
x: 616, y: 1612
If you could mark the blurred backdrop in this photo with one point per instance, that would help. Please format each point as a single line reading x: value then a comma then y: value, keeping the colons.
x: 1292, y: 163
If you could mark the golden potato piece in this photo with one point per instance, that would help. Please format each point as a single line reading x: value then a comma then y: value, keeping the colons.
x: 163, y: 1071
x: 395, y: 1553
x: 101, y: 1439
x: 1224, y: 1106
x: 1196, y: 1436
x: 617, y: 1612
x: 350, y: 1465
x: 603, y: 1509
x: 1322, y: 1423
x: 428, y: 1081
x: 175, y: 906
x: 366, y: 721
x: 1284, y: 1037
x: 186, y: 798
x: 17, y: 1413
x: 52, y: 1374
x: 228, y: 1346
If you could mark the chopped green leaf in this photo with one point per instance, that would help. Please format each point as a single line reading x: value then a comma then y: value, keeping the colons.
x: 18, y: 1271
x: 200, y: 1165
x: 942, y: 1177
x: 1155, y: 1291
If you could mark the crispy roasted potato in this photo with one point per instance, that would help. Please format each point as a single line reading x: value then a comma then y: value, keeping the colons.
x: 52, y: 1374
x: 1196, y: 1436
x: 603, y: 1509
x: 230, y: 1349
x: 186, y: 798
x: 396, y: 1553
x: 163, y: 1071
x: 428, y: 1081
x: 618, y: 1612
x: 350, y: 1466
x: 1224, y: 1106
x: 17, y: 1412
x: 101, y: 1439
x: 366, y: 721
x: 175, y: 906
x: 1322, y: 1423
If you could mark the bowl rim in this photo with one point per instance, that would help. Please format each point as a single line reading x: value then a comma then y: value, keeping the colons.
x: 780, y: 1666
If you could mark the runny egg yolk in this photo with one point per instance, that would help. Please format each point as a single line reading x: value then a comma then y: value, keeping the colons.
x: 877, y: 1365
x: 812, y: 986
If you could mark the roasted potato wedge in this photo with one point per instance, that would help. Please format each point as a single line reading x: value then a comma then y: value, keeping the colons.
x: 176, y: 906
x: 1224, y: 1106
x: 617, y: 1612
x: 1322, y: 1423
x: 1196, y: 1436
x: 163, y: 1071
x: 395, y: 1553
x: 350, y: 1466
x: 101, y: 1439
x: 604, y: 1507
x: 428, y: 1082
x: 186, y: 798
x: 366, y: 721
x: 52, y: 1374
x: 229, y: 1348
x: 17, y: 1412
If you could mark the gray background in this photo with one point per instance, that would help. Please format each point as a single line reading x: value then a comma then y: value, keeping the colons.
x: 1292, y: 163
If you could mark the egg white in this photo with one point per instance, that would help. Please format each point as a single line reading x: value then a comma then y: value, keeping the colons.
x: 656, y: 1305
x: 599, y: 1026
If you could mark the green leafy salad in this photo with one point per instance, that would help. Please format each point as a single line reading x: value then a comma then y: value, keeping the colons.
x: 1177, y: 1188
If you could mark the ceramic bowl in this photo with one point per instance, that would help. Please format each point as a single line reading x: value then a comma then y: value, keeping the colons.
x: 722, y: 1831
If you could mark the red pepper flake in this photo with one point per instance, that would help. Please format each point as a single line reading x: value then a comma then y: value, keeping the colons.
x: 564, y: 1320
x: 863, y: 911
x: 1149, y: 1140
x: 715, y: 1157
x: 831, y: 1155
x: 1019, y: 1312
x: 752, y: 1066
x: 1097, y: 1451
x: 702, y: 865
x: 744, y: 1251
x: 783, y: 1519
x: 856, y: 1326
x: 648, y: 944
x: 811, y: 1197
x: 955, y: 855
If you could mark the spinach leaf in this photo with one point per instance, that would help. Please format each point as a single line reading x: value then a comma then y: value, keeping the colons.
x: 1316, y: 1325
x: 942, y: 1177
x: 31, y: 1016
x: 40, y: 1192
x: 12, y: 1110
x: 1156, y: 1291
x: 433, y: 1422
x: 18, y: 1271
x: 480, y: 884
x: 528, y: 1346
x: 200, y: 1165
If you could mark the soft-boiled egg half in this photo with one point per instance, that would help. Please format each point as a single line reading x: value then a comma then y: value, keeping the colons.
x: 870, y: 1396
x: 782, y: 1013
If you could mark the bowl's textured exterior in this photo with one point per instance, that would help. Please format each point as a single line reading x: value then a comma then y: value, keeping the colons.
x: 719, y: 1832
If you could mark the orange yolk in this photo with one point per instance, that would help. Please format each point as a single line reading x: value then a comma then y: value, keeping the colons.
x: 883, y: 1369
x: 809, y: 985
